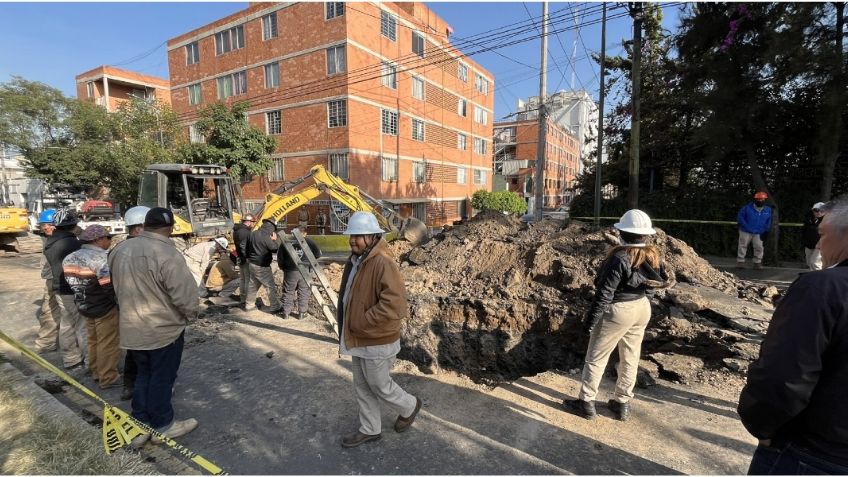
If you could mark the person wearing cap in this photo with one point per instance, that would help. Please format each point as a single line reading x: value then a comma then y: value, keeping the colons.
x: 261, y: 247
x: 223, y: 276
x: 72, y: 329
x: 88, y: 275
x: 49, y: 314
x: 157, y: 298
x: 810, y: 236
x: 321, y: 221
x: 371, y: 306
x: 754, y: 219
x: 619, y: 314
x: 241, y: 237
x: 198, y: 257
x: 295, y: 287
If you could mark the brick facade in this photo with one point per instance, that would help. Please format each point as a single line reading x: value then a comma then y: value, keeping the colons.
x: 110, y: 87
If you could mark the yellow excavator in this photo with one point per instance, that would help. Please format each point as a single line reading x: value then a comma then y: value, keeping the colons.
x: 203, y: 198
x: 15, y: 236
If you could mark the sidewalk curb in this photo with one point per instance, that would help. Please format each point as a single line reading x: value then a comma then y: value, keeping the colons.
x: 45, y: 404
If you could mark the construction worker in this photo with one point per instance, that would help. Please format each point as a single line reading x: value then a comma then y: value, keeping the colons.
x: 223, y: 276
x: 754, y: 219
x: 794, y: 398
x: 303, y: 218
x: 810, y: 236
x: 241, y: 237
x: 294, y: 285
x: 49, y: 314
x: 371, y: 305
x: 619, y: 314
x: 88, y: 275
x: 260, y: 251
x: 321, y: 221
x: 157, y: 295
x: 197, y: 258
x: 72, y: 330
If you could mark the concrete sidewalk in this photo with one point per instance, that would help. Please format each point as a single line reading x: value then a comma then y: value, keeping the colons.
x: 778, y: 276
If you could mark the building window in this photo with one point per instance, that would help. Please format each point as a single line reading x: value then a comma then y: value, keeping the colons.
x: 272, y: 75
x: 390, y: 169
x: 462, y: 107
x: 192, y: 53
x: 269, y: 26
x: 275, y: 173
x: 461, y: 142
x: 462, y: 71
x: 336, y: 60
x: 334, y: 9
x: 90, y: 88
x: 481, y: 84
x: 388, y: 25
x: 419, y: 211
x: 274, y: 122
x: 479, y: 146
x: 418, y: 44
x: 390, y: 122
x: 339, y: 166
x: 479, y: 177
x: 389, y: 75
x: 195, y: 95
x: 418, y: 88
x: 461, y: 175
x: 418, y: 129
x: 194, y: 135
x: 229, y: 40
x: 232, y: 85
x: 337, y: 113
x: 419, y: 172
x: 480, y: 115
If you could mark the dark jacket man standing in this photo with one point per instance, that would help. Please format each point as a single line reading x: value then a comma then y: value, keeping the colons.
x: 241, y: 238
x: 294, y: 285
x: 810, y: 236
x: 260, y: 252
x: 794, y: 400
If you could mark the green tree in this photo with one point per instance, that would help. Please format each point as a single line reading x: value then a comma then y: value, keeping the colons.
x: 501, y: 201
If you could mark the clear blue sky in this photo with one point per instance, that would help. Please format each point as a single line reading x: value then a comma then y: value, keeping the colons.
x: 53, y: 42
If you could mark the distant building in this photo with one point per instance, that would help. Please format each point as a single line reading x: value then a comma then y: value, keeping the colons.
x: 109, y: 87
x: 573, y: 110
x: 15, y: 186
x: 516, y: 144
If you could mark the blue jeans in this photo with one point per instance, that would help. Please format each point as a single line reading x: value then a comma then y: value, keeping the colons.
x: 791, y: 461
x: 154, y: 384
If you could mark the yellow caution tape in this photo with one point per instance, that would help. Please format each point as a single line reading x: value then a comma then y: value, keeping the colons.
x: 119, y: 428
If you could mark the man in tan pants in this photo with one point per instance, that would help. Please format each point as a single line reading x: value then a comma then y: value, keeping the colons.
x: 49, y: 314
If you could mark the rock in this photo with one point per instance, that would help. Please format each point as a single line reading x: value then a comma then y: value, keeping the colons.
x: 417, y: 256
x: 770, y: 292
x: 647, y: 374
x: 688, y: 299
x: 269, y: 354
x: 738, y: 365
x: 677, y: 367
x: 49, y: 383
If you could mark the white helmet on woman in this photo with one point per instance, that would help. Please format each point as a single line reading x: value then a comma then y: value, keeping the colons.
x: 135, y: 215
x: 635, y: 222
x: 363, y: 223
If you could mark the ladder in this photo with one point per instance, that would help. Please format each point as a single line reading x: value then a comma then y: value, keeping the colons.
x: 323, y: 293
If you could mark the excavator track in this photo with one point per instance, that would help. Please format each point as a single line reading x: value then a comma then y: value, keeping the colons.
x: 21, y: 244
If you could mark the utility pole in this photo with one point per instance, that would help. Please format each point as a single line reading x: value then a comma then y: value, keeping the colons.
x: 601, y: 117
x: 541, y: 150
x: 633, y: 188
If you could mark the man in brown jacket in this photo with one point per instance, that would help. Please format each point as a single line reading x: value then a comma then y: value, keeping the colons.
x: 371, y: 307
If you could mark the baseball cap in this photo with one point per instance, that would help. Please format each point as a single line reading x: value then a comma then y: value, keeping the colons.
x: 158, y: 217
x: 94, y: 232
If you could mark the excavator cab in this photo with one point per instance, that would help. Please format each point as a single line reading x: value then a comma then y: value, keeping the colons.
x: 201, y: 196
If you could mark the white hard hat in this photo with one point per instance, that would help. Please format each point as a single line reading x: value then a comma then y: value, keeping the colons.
x: 135, y: 216
x: 819, y: 206
x: 363, y: 223
x: 222, y: 242
x: 636, y: 222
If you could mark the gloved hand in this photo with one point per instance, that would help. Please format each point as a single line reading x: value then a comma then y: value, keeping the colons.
x: 589, y: 324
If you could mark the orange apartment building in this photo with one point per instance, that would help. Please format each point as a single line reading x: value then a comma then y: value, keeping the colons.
x: 373, y: 91
x: 109, y: 87
x: 516, y: 144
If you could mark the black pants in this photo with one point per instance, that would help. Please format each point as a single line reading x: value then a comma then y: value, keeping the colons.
x: 130, y: 370
x: 791, y: 461
x: 154, y: 385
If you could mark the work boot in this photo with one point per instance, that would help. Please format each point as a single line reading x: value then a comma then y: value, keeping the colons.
x: 740, y: 264
x: 127, y: 393
x: 581, y: 408
x: 403, y: 423
x: 301, y: 316
x: 176, y: 429
x: 358, y: 439
x: 620, y: 409
x: 758, y: 266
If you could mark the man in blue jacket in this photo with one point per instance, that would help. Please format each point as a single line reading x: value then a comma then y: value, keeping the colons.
x: 754, y: 219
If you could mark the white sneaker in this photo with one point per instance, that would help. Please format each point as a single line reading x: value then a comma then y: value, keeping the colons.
x: 176, y: 429
x: 139, y: 441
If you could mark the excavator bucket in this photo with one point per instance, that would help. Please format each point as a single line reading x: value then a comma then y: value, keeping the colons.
x: 413, y: 231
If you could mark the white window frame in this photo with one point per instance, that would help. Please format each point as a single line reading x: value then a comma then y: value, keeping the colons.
x: 389, y: 122
x: 277, y: 172
x: 389, y: 166
x: 234, y: 40
x: 339, y: 165
x: 462, y: 71
x: 195, y: 94
x: 461, y: 175
x: 479, y: 177
x: 194, y: 135
x: 418, y: 130
x: 192, y: 53
x: 235, y: 80
x: 90, y: 89
x: 269, y: 26
x: 461, y: 142
x: 419, y: 172
x: 274, y: 77
x: 462, y: 107
x: 481, y: 84
x: 480, y: 146
x: 274, y: 118
x: 388, y: 25
x: 418, y: 38
x: 388, y: 76
x: 481, y: 116
x: 333, y: 9
x: 337, y: 113
x: 417, y: 88
x: 339, y: 62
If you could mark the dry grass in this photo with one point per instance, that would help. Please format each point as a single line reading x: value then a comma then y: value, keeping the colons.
x: 34, y: 444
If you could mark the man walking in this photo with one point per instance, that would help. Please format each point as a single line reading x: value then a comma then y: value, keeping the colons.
x: 810, y: 236
x: 794, y: 400
x: 158, y: 297
x: 88, y: 275
x: 260, y: 250
x: 50, y: 313
x: 294, y: 285
x: 72, y: 332
x: 241, y: 237
x: 754, y: 219
x: 370, y: 309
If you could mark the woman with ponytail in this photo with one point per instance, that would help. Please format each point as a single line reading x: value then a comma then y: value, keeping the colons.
x: 620, y: 313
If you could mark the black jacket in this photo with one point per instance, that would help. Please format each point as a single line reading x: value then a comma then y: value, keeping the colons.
x: 241, y: 237
x: 260, y: 246
x: 287, y: 264
x: 810, y: 231
x: 797, y: 388
x: 617, y: 281
x: 58, y: 246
